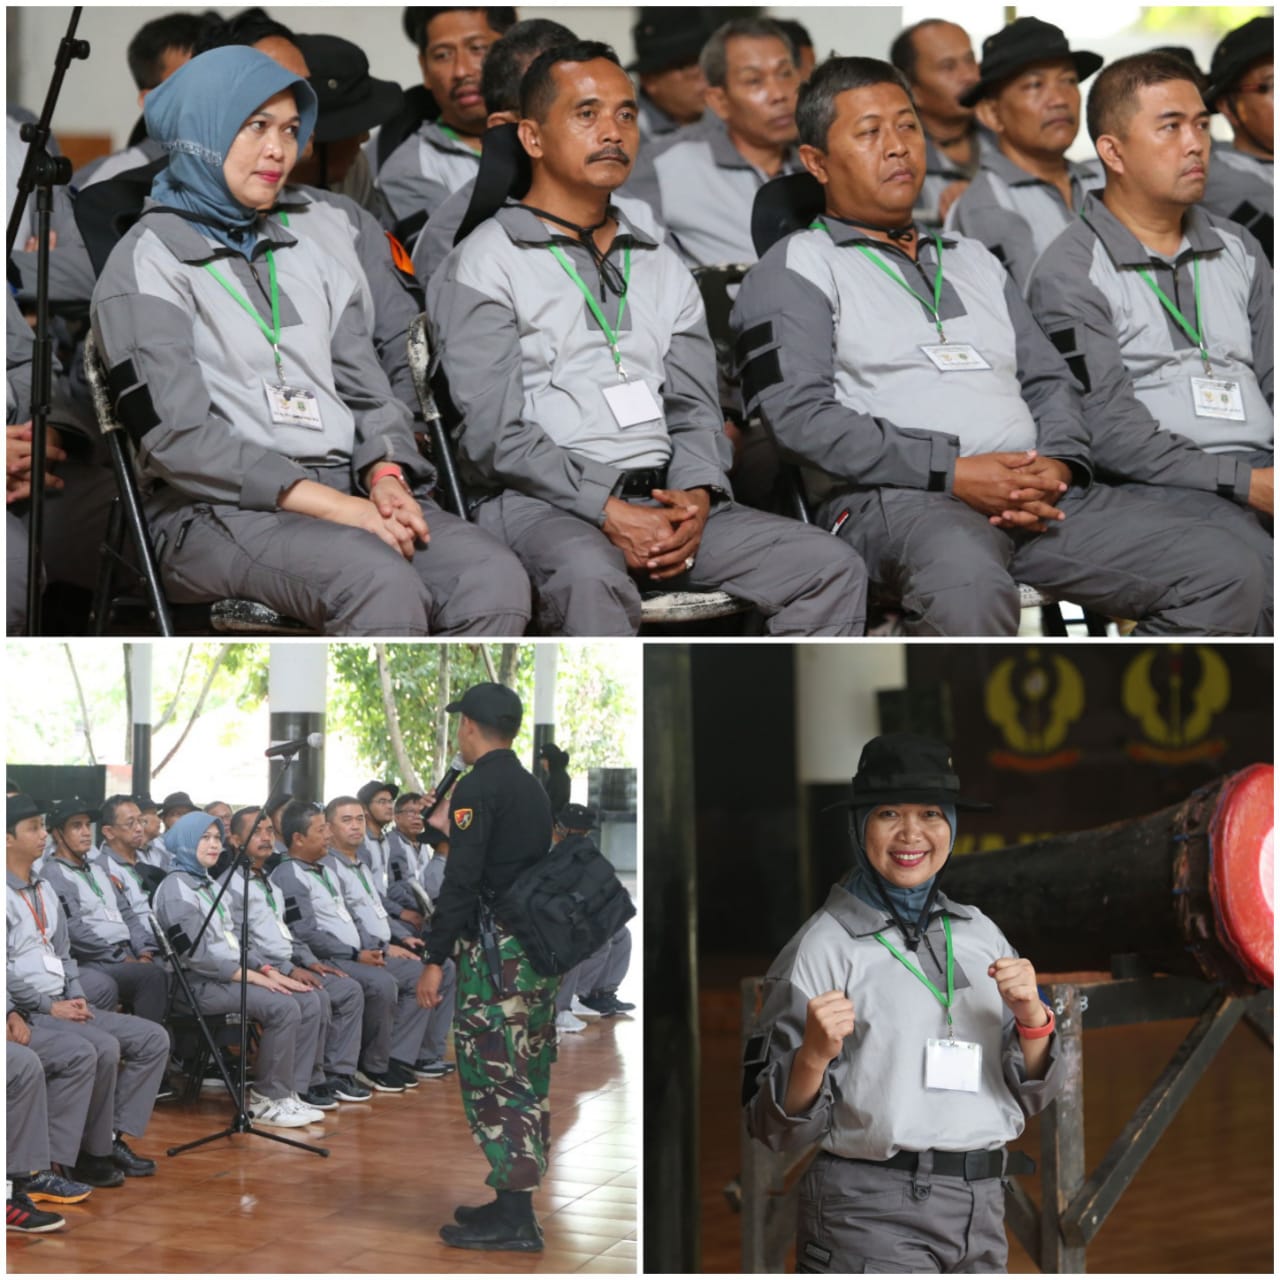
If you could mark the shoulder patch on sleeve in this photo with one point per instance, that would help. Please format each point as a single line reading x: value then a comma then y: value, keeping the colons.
x: 462, y: 818
x: 1067, y: 342
x: 754, y: 1057
x: 401, y: 261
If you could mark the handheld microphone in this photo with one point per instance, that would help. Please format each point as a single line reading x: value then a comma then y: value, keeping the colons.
x: 452, y: 774
x: 294, y: 745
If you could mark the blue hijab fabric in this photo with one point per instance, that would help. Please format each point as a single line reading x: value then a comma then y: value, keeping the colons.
x: 181, y: 840
x: 864, y: 881
x: 196, y: 114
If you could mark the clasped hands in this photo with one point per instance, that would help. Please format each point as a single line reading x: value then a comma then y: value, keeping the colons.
x: 1013, y: 490
x: 661, y: 540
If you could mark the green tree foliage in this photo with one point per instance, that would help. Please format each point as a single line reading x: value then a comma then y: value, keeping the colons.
x: 597, y: 719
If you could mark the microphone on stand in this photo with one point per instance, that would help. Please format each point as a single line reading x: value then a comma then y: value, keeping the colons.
x: 294, y: 745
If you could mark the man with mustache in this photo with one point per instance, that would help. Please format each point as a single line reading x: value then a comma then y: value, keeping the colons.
x: 577, y: 353
x: 1029, y: 97
x: 951, y: 448
x: 1122, y: 290
x: 444, y: 154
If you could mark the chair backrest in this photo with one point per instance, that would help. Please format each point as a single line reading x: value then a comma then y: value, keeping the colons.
x: 96, y: 376
x: 717, y: 285
x: 420, y: 368
x: 441, y: 446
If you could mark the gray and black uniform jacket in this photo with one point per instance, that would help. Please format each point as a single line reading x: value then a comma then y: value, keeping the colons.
x: 270, y: 938
x: 189, y: 370
x: 40, y: 969
x: 1014, y: 213
x: 101, y: 923
x: 829, y: 351
x: 1242, y: 187
x: 872, y: 1102
x: 527, y: 364
x: 404, y: 869
x: 359, y: 888
x: 941, y: 171
x: 182, y: 903
x: 424, y: 170
x: 132, y: 885
x: 1133, y: 362
x: 315, y: 910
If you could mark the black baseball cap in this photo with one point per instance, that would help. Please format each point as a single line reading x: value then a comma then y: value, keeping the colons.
x: 493, y: 705
x: 666, y: 38
x: 350, y: 100
x: 371, y: 789
x: 62, y: 810
x: 145, y: 802
x: 1018, y: 45
x: 176, y: 800
x: 578, y: 817
x: 1237, y: 51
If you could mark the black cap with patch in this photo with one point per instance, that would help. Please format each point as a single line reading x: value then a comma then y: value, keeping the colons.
x: 492, y: 705
x: 62, y: 810
x: 578, y: 817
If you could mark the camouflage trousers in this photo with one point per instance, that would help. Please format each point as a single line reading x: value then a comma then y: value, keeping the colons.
x: 505, y: 1046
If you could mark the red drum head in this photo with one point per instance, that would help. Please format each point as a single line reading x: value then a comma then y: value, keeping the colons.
x: 1241, y: 876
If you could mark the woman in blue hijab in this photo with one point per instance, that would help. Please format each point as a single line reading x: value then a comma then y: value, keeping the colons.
x: 290, y: 1015
x: 276, y: 462
x: 902, y: 1035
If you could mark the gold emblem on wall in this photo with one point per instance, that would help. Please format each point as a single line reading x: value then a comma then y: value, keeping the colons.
x: 1173, y: 692
x: 1034, y: 699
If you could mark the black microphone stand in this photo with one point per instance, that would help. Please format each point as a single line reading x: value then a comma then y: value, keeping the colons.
x: 242, y: 1121
x: 42, y: 172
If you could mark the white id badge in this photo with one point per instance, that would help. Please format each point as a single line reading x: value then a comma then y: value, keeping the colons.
x: 953, y: 1064
x: 631, y: 402
x: 293, y: 406
x: 53, y: 964
x: 954, y: 357
x: 342, y: 910
x: 285, y: 932
x: 1217, y: 398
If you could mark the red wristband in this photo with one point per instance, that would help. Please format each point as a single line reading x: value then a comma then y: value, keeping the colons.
x: 1038, y: 1033
x: 387, y: 469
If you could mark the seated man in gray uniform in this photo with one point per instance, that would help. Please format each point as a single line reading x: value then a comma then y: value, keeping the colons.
x: 673, y: 90
x: 592, y: 426
x: 123, y: 833
x: 105, y: 932
x: 1241, y: 182
x: 319, y: 915
x: 703, y: 179
x: 1165, y: 312
x: 936, y: 60
x: 444, y: 153
x: 1029, y: 97
x: 952, y: 448
x: 43, y: 984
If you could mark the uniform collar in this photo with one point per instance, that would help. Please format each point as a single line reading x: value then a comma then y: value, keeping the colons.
x: 1126, y: 250
x: 660, y: 123
x: 842, y: 234
x: 995, y: 161
x: 524, y: 227
x: 433, y: 132
x: 937, y: 162
x: 499, y: 753
x: 16, y: 882
x: 187, y: 243
x: 860, y: 920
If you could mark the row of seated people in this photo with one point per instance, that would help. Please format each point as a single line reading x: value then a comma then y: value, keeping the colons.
x: 1115, y: 456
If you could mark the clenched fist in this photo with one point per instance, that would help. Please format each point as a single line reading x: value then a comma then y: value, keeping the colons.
x: 828, y: 1019
x: 1016, y: 980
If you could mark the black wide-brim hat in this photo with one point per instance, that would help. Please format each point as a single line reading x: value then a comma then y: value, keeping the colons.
x: 1237, y: 51
x: 351, y: 101
x: 906, y: 768
x: 1018, y: 45
x: 665, y: 38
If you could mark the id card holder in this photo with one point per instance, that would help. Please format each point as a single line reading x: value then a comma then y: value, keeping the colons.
x: 631, y: 403
x: 955, y: 357
x: 232, y: 940
x: 53, y: 964
x: 293, y: 406
x: 341, y: 907
x: 1217, y: 398
x: 953, y: 1064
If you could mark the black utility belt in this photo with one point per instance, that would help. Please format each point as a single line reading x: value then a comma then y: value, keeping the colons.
x: 972, y: 1166
x: 639, y: 484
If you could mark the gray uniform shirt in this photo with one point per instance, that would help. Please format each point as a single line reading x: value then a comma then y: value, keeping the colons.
x: 356, y: 884
x: 829, y: 351
x: 1014, y: 213
x: 1134, y: 363
x: 872, y: 1102
x: 189, y: 369
x: 315, y: 910
x: 40, y: 969
x: 95, y: 912
x: 131, y: 886
x: 271, y: 941
x: 424, y: 170
x: 433, y: 875
x: 182, y: 903
x: 701, y: 188
x: 148, y: 151
x: 941, y: 171
x: 527, y: 364
x: 1242, y: 187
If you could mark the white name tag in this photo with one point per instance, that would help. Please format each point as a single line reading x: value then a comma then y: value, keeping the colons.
x: 954, y: 357
x: 1217, y: 398
x: 232, y: 941
x: 632, y: 403
x: 342, y: 910
x: 293, y: 406
x: 953, y: 1064
x: 53, y: 964
x: 285, y: 931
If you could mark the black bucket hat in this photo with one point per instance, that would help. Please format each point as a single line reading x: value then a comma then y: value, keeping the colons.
x: 666, y: 38
x: 351, y: 101
x: 1236, y: 52
x: 1022, y: 42
x: 906, y: 768
x: 370, y: 789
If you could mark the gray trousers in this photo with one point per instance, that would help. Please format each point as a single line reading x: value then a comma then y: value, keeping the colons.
x: 70, y: 1066
x: 440, y: 1019
x: 100, y: 988
x: 394, y: 1022
x: 26, y: 1132
x: 132, y: 1054
x: 15, y: 578
x: 1118, y: 553
x: 292, y: 1027
x: 345, y: 581
x: 143, y: 987
x: 804, y: 581
x: 858, y: 1218
x: 603, y: 970
x: 346, y: 1017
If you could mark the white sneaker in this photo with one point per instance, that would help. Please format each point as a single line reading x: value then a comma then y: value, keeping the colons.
x: 275, y: 1113
x: 313, y: 1114
x: 581, y: 1010
x: 565, y: 1021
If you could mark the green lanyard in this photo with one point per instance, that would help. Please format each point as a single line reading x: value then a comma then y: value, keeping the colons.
x: 360, y: 872
x: 272, y: 331
x: 324, y: 880
x: 222, y: 915
x: 934, y: 308
x: 944, y: 1001
x: 265, y: 885
x: 610, y: 332
x: 1196, y: 332
x: 93, y: 884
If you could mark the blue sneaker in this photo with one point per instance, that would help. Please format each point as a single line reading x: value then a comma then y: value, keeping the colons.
x: 47, y: 1185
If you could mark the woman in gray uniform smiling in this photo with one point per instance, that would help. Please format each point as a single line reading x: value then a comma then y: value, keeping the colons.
x: 902, y: 1035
